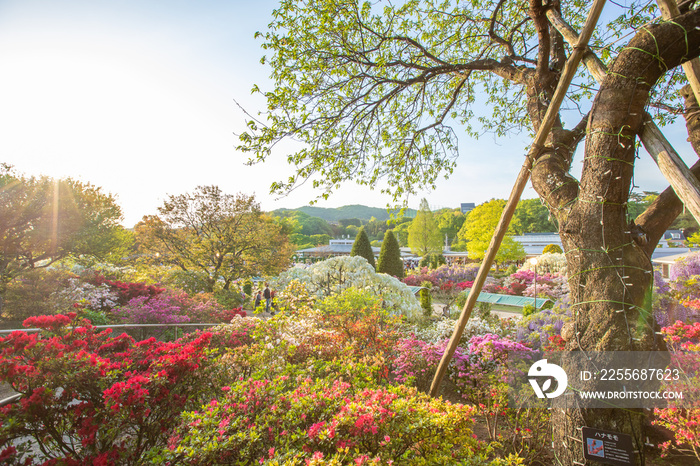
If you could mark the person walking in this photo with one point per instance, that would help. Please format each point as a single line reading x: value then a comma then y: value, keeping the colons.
x: 268, y: 297
x: 258, y: 300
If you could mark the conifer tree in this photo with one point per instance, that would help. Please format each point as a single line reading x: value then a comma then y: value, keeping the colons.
x: 423, y: 233
x: 390, y: 261
x: 362, y: 247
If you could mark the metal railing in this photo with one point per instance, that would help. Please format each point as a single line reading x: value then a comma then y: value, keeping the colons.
x: 125, y: 326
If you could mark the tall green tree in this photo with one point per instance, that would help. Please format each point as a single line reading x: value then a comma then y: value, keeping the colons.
x: 449, y: 222
x: 533, y: 217
x: 43, y: 220
x: 390, y: 261
x: 315, y: 226
x: 401, y: 230
x: 362, y: 247
x: 380, y: 94
x: 423, y: 235
x: 478, y: 230
x: 215, y: 236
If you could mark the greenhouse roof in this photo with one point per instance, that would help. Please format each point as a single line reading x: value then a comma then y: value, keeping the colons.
x: 415, y: 289
x: 509, y: 300
x: 500, y: 299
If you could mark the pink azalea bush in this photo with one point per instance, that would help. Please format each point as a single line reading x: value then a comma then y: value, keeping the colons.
x: 682, y: 417
x: 300, y: 421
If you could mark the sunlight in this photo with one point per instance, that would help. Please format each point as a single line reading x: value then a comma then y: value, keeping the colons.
x: 54, y: 218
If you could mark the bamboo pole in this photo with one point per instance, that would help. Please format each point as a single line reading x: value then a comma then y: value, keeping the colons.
x: 684, y: 183
x: 520, y: 183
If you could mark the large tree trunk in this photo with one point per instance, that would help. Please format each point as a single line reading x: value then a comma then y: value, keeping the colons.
x: 610, y: 274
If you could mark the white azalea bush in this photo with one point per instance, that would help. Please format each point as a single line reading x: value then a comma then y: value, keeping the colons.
x: 551, y: 262
x: 440, y: 330
x: 331, y: 276
x: 92, y: 297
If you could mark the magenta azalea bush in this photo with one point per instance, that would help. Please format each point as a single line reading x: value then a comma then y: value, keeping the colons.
x: 156, y: 310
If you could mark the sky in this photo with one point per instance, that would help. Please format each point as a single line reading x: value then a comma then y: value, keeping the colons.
x: 139, y: 98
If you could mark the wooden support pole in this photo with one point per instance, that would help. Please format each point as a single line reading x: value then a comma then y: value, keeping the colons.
x: 672, y: 167
x: 684, y: 183
x: 520, y: 183
x: 669, y: 10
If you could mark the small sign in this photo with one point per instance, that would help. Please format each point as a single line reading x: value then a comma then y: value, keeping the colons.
x: 608, y: 447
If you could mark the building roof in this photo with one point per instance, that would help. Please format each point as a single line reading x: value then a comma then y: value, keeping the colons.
x: 676, y: 235
x: 467, y: 207
x: 333, y: 249
x: 533, y: 239
x: 670, y: 255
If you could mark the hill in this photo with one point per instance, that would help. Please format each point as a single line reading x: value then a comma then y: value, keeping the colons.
x: 365, y: 213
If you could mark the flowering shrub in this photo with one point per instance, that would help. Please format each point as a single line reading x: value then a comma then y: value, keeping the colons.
x: 128, y: 291
x: 416, y: 362
x: 475, y: 368
x: 227, y: 315
x: 439, y: 330
x: 537, y: 329
x: 493, y: 285
x: 157, y: 310
x: 676, y: 300
x: 91, y: 398
x: 522, y: 283
x: 333, y: 275
x: 175, y: 307
x: 89, y: 296
x: 348, y: 332
x: 685, y: 267
x: 553, y: 263
x: 325, y: 422
x: 357, y: 316
x: 682, y: 418
x: 442, y: 275
x: 483, y: 365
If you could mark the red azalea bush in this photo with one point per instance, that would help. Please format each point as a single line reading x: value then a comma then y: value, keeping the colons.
x: 90, y: 398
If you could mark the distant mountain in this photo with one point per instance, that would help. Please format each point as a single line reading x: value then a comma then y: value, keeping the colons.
x: 350, y: 211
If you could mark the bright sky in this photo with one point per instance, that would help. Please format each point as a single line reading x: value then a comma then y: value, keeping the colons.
x: 137, y: 97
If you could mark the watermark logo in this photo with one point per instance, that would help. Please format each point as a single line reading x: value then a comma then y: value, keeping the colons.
x: 544, y: 373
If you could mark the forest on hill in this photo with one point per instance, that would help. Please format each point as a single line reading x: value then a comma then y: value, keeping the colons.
x: 361, y: 212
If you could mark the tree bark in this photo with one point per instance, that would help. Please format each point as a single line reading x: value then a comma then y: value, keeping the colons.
x: 610, y: 273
